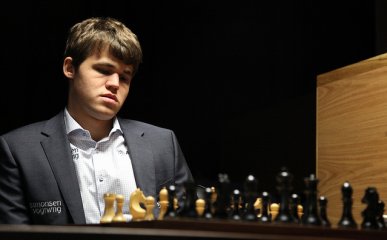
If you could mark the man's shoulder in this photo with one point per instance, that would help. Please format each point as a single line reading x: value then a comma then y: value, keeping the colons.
x: 32, y: 129
x: 26, y: 130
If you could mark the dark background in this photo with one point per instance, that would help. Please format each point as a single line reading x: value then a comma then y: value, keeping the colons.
x: 235, y: 80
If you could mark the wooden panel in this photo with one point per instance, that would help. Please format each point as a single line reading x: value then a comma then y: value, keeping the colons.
x: 351, y: 137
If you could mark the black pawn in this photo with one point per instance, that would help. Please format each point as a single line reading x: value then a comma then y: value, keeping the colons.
x: 242, y: 209
x: 223, y: 198
x: 189, y: 203
x: 311, y: 216
x: 323, y: 202
x: 284, y: 188
x: 265, y: 216
x: 250, y: 188
x: 208, y: 209
x: 370, y: 213
x: 236, y: 200
x: 380, y: 218
x: 171, y: 211
x: 347, y: 220
x: 294, y: 202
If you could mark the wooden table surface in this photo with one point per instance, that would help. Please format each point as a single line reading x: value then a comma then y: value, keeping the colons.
x: 186, y: 229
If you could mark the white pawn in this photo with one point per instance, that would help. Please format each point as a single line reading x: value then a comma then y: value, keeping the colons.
x: 274, y: 210
x: 109, y: 211
x: 163, y: 203
x: 119, y: 217
x: 200, y: 205
x: 149, y: 205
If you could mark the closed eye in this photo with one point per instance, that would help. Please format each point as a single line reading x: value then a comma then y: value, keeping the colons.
x: 125, y: 78
x: 104, y: 71
x: 107, y: 72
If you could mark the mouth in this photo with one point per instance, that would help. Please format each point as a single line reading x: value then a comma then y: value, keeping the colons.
x: 110, y: 96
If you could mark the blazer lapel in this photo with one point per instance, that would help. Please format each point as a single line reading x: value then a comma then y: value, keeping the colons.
x: 58, y: 152
x: 141, y: 156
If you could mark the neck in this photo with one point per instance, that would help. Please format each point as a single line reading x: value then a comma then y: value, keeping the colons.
x: 98, y: 128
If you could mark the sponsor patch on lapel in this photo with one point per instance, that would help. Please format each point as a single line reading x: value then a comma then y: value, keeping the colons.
x: 46, y: 207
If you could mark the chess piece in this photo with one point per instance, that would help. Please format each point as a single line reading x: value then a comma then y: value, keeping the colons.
x: 214, y: 196
x: 284, y: 187
x: 236, y: 201
x: 149, y: 206
x: 347, y: 220
x: 208, y: 199
x: 200, y: 205
x: 163, y: 196
x: 119, y: 216
x: 265, y: 216
x: 109, y: 211
x: 250, y: 190
x: 172, y: 206
x: 310, y: 216
x: 242, y: 205
x: 294, y: 203
x: 136, y: 199
x: 223, y: 197
x: 176, y: 204
x: 258, y: 206
x: 380, y: 218
x: 189, y: 208
x: 300, y: 211
x: 323, y: 203
x: 274, y: 209
x: 370, y: 213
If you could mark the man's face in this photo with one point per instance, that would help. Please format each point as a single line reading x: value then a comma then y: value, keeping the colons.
x: 99, y: 87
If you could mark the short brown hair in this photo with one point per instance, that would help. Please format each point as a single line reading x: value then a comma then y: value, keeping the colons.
x: 93, y: 34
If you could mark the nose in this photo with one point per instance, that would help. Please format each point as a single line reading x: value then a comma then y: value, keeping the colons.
x: 113, y: 82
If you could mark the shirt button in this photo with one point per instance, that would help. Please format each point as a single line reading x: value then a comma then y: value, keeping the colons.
x: 100, y: 179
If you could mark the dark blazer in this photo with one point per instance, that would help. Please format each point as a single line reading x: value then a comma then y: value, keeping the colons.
x: 38, y: 182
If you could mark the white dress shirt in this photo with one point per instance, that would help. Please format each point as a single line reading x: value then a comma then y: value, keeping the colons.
x: 101, y: 167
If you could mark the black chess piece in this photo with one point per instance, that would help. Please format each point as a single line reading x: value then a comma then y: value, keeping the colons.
x: 189, y: 203
x: 250, y: 192
x: 236, y: 202
x: 294, y: 202
x: 171, y: 210
x: 380, y: 219
x: 242, y: 209
x: 223, y: 198
x: 370, y: 213
x: 311, y: 216
x: 284, y: 187
x: 323, y: 203
x: 347, y: 220
x: 265, y: 216
x: 208, y: 209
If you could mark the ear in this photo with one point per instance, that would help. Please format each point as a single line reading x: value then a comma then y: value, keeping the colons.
x: 68, y: 68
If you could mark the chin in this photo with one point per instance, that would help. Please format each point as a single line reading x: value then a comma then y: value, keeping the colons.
x: 105, y: 116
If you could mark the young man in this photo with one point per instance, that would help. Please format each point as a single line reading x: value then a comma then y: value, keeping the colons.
x: 57, y: 171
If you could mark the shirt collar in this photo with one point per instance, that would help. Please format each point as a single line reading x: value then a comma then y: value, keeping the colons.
x: 72, y: 125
